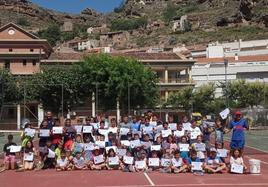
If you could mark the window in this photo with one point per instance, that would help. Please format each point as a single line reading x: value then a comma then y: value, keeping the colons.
x: 24, y: 62
x: 7, y: 64
x: 31, y: 50
x: 34, y: 62
x: 10, y: 50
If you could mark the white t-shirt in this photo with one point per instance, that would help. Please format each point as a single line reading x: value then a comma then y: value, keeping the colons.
x: 238, y: 161
x: 62, y: 163
x: 194, y: 132
x: 176, y: 163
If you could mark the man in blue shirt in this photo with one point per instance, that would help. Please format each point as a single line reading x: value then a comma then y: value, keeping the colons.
x: 238, y: 125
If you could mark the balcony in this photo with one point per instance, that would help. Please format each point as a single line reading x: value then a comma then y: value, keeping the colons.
x: 176, y: 82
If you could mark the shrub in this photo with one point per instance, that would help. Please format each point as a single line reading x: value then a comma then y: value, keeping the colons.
x: 23, y: 22
x: 128, y: 24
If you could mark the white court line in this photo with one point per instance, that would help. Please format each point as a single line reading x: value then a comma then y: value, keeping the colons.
x: 197, y: 184
x: 149, y: 179
x: 228, y: 139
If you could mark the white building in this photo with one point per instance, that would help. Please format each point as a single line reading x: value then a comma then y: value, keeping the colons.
x: 249, y: 68
x: 88, y: 44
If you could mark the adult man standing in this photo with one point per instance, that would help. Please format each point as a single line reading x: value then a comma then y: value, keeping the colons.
x: 50, y: 120
x: 238, y: 125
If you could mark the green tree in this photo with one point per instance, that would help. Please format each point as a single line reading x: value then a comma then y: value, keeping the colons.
x: 22, y: 21
x: 114, y: 77
x: 128, y: 24
x: 198, y: 100
x: 203, y: 98
x: 9, y: 89
x: 182, y: 99
x: 51, y: 33
x: 245, y: 94
x: 48, y: 86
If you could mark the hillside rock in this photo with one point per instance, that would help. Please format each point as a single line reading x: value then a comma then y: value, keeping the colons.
x: 41, y: 17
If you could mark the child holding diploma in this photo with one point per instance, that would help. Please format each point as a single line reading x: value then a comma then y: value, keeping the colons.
x: 77, y: 145
x: 112, y: 156
x: 184, y: 153
x: 141, y: 161
x: 10, y: 158
x: 177, y: 164
x: 127, y: 167
x: 222, y: 153
x: 97, y: 164
x: 166, y: 163
x: 236, y: 158
x: 28, y: 156
x: 200, y: 148
x: 213, y: 162
x: 193, y: 159
x: 79, y: 162
x: 43, y: 139
x: 152, y: 166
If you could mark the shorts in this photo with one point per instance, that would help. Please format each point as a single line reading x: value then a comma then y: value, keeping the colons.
x: 237, y: 144
x: 10, y: 158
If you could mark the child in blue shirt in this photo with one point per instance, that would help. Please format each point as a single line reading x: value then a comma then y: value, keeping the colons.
x: 214, y: 163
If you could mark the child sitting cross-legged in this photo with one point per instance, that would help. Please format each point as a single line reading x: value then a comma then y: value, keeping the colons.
x: 127, y: 167
x: 79, y: 162
x: 236, y: 158
x: 141, y: 161
x: 177, y: 164
x: 97, y: 161
x: 154, y: 165
x: 166, y: 162
x: 62, y: 162
x: 213, y: 162
x: 193, y: 161
x: 112, y: 161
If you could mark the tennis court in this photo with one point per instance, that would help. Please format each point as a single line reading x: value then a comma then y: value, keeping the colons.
x: 120, y: 179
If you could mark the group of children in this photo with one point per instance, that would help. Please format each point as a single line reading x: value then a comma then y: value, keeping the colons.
x: 131, y: 146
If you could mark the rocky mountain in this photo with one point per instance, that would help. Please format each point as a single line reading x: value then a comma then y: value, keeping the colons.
x: 38, y: 17
x: 158, y: 22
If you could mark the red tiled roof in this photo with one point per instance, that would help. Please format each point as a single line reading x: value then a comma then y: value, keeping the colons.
x: 66, y: 56
x: 232, y: 59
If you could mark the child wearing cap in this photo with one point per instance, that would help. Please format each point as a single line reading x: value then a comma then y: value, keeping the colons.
x: 238, y: 126
x: 213, y: 163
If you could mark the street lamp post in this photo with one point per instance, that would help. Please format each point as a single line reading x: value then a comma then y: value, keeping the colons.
x: 226, y: 84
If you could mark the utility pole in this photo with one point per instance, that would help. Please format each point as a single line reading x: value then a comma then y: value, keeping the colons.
x: 226, y: 84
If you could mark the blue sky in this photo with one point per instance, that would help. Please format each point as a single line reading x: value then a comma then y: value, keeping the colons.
x: 75, y: 6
